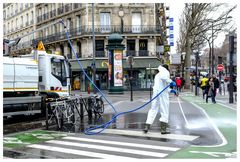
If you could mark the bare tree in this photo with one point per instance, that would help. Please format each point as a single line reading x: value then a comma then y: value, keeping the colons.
x: 198, y: 27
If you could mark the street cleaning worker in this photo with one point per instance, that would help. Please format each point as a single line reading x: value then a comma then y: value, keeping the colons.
x: 161, y: 80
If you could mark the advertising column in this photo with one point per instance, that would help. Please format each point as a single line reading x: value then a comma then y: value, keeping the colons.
x: 118, y: 69
x: 115, y: 64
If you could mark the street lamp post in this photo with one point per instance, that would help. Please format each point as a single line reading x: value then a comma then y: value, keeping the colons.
x: 212, y: 50
x: 183, y: 58
x: 131, y: 62
x: 121, y: 14
x: 94, y: 64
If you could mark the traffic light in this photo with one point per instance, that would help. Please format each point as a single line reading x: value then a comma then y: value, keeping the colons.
x: 167, y: 48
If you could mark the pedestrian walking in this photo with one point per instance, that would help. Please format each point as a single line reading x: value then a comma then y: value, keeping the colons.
x: 216, y: 86
x: 161, y: 103
x: 210, y: 91
x: 203, y: 85
x: 179, y: 84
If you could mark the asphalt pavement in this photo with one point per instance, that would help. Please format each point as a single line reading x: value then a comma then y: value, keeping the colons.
x: 198, y: 130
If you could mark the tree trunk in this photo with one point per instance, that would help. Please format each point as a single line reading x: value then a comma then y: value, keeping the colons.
x: 187, y: 65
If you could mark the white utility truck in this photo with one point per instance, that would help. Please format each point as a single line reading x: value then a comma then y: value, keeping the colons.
x: 29, y: 81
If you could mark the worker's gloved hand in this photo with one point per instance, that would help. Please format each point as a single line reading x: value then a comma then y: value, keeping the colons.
x: 174, y: 91
x: 173, y: 84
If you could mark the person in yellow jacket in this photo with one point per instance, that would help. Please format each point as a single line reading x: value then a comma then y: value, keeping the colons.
x: 203, y: 85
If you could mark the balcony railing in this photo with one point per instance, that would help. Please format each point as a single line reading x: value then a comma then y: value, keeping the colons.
x: 143, y: 53
x: 75, y: 6
x: 39, y: 19
x: 45, y: 16
x: 100, y: 54
x: 67, y: 8
x: 52, y: 13
x: 60, y: 10
x: 87, y: 30
x: 130, y: 53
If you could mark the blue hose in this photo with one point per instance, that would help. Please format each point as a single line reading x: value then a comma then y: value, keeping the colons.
x: 105, y: 125
x: 69, y: 41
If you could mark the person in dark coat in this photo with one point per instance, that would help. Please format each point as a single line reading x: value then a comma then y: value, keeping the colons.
x: 216, y: 86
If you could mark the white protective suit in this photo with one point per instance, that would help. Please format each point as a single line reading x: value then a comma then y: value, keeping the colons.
x: 161, y: 80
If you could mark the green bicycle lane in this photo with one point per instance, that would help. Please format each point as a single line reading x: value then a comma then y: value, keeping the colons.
x: 225, y: 120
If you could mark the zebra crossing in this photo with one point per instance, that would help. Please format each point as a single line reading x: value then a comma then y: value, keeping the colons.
x: 79, y: 146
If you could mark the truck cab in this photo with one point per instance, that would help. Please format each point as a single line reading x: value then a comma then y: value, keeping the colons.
x: 54, y: 74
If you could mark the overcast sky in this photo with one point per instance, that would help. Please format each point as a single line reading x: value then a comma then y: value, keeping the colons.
x: 176, y: 11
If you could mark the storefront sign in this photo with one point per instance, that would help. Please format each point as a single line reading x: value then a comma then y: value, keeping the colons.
x: 118, y: 69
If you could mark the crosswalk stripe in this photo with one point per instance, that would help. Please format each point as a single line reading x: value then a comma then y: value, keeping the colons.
x: 123, y: 143
x: 109, y: 148
x: 149, y: 134
x: 77, y: 152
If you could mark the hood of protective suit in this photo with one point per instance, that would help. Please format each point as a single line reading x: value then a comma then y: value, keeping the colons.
x: 163, y: 70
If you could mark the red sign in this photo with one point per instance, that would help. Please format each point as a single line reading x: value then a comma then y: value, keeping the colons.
x: 220, y: 67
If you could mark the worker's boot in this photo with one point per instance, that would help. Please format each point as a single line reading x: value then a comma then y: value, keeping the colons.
x: 146, y: 128
x: 164, y: 128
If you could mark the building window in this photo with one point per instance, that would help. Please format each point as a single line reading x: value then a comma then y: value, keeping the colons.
x: 143, y: 47
x: 8, y: 27
x: 79, y: 46
x: 4, y: 14
x: 27, y: 19
x: 131, y: 48
x: 21, y: 7
x: 32, y: 19
x: 136, y: 22
x: 12, y: 10
x: 16, y: 23
x: 105, y: 22
x: 99, y: 48
x: 21, y: 21
x: 8, y: 12
x: 79, y: 23
x: 12, y: 25
x: 4, y: 29
x: 69, y: 23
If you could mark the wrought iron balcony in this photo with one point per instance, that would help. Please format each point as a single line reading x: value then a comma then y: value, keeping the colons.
x: 130, y: 53
x: 143, y: 53
x: 67, y: 8
x: 39, y: 19
x: 87, y: 30
x: 60, y: 10
x: 99, y: 54
x: 45, y: 16
x: 52, y: 13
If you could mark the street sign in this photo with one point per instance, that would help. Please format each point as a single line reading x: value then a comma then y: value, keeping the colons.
x: 220, y: 67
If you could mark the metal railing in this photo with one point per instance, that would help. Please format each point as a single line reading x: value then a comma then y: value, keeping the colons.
x: 60, y: 10
x: 45, y: 16
x: 67, y: 8
x: 143, y: 53
x: 39, y: 18
x: 87, y: 30
x: 130, y: 53
x: 99, y: 54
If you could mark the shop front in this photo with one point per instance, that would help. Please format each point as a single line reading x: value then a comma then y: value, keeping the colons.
x: 144, y: 70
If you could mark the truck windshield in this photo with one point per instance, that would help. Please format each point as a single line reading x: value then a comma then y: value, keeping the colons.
x: 59, y: 70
